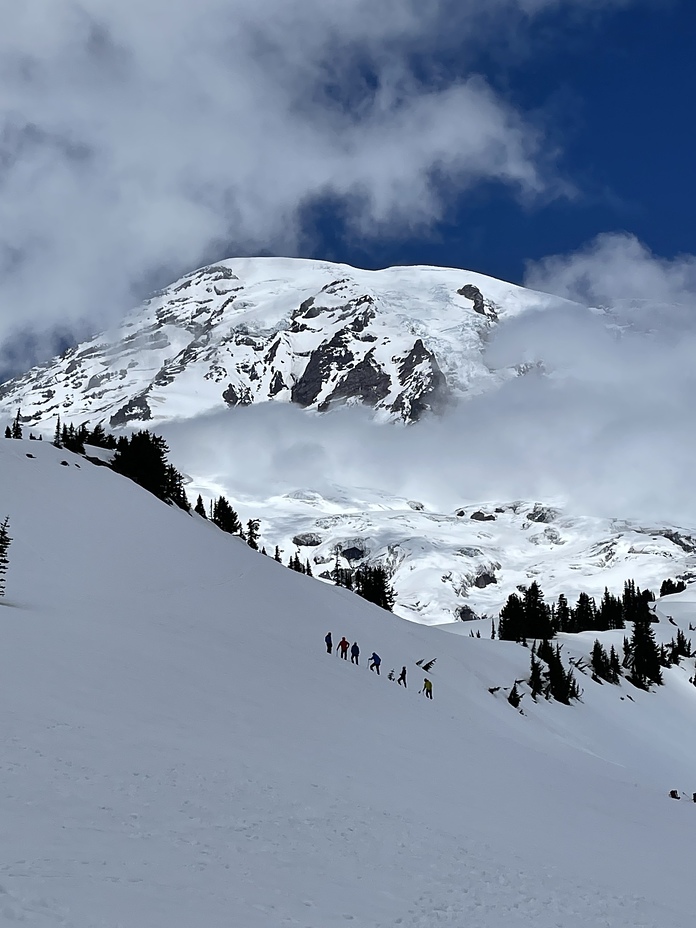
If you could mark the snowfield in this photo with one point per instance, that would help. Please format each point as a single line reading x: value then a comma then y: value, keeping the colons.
x: 179, y: 750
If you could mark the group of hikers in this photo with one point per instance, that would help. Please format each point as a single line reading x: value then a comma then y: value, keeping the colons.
x: 374, y: 662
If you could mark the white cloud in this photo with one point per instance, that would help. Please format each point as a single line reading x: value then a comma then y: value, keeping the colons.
x: 616, y: 268
x: 605, y: 421
x: 136, y: 136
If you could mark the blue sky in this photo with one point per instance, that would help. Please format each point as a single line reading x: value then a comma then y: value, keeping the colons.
x: 475, y: 133
x: 616, y: 95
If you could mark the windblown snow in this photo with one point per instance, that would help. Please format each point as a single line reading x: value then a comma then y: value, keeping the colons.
x: 178, y: 748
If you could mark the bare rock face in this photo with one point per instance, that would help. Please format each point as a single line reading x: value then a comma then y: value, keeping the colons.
x: 542, y: 513
x: 480, y: 516
x: 136, y: 410
x: 308, y: 540
x: 466, y: 614
x: 366, y: 382
x: 424, y: 384
x: 237, y: 396
x: 330, y: 356
x: 480, y: 303
x: 484, y: 578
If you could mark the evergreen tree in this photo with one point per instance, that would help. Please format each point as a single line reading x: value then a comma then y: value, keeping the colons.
x: 514, y: 697
x: 8, y: 432
x: 670, y: 586
x: 600, y: 661
x: 683, y: 644
x: 492, y: 629
x: 372, y: 583
x: 252, y: 534
x: 57, y: 433
x: 99, y: 437
x: 72, y: 439
x: 342, y: 576
x: 511, y: 620
x: 144, y: 460
x: 5, y: 542
x: 308, y: 568
x: 644, y: 656
x: 174, y: 491
x: 614, y: 665
x: 199, y: 507
x: 560, y: 684
x: 276, y: 556
x: 536, y: 681
x: 610, y: 612
x: 584, y: 614
x: 537, y: 615
x: 563, y: 618
x: 225, y: 517
x: 17, y: 426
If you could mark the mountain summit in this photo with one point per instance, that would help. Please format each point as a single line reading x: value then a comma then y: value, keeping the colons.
x: 401, y: 340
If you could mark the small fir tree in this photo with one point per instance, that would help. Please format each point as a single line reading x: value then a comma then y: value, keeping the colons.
x: 514, y: 698
x: 8, y: 432
x: 511, y: 620
x: 536, y: 680
x: 563, y: 619
x: 644, y: 655
x: 17, y: 426
x: 252, y: 534
x: 225, y: 517
x: 199, y: 507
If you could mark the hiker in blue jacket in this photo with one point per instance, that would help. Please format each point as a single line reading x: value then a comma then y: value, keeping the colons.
x: 375, y: 661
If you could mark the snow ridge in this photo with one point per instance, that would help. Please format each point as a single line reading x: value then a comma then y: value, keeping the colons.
x: 400, y: 340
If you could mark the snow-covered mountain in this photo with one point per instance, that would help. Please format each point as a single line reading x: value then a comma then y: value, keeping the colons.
x: 319, y: 335
x: 179, y: 749
x: 402, y: 340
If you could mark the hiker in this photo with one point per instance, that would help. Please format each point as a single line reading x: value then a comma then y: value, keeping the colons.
x: 427, y: 690
x: 402, y: 677
x: 391, y: 675
x: 355, y: 654
x: 329, y: 643
x: 375, y: 661
x: 343, y: 646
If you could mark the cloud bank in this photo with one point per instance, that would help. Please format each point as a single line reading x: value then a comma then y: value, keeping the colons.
x: 136, y: 138
x: 603, y: 420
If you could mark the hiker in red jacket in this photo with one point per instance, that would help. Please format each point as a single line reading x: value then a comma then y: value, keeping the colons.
x: 343, y: 646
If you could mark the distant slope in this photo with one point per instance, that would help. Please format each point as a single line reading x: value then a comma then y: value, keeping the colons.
x: 247, y: 330
x: 178, y: 749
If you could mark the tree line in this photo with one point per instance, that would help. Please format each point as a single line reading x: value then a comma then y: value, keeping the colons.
x: 527, y: 617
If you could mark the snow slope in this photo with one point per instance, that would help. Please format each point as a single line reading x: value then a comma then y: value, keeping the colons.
x: 249, y: 330
x: 178, y: 749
